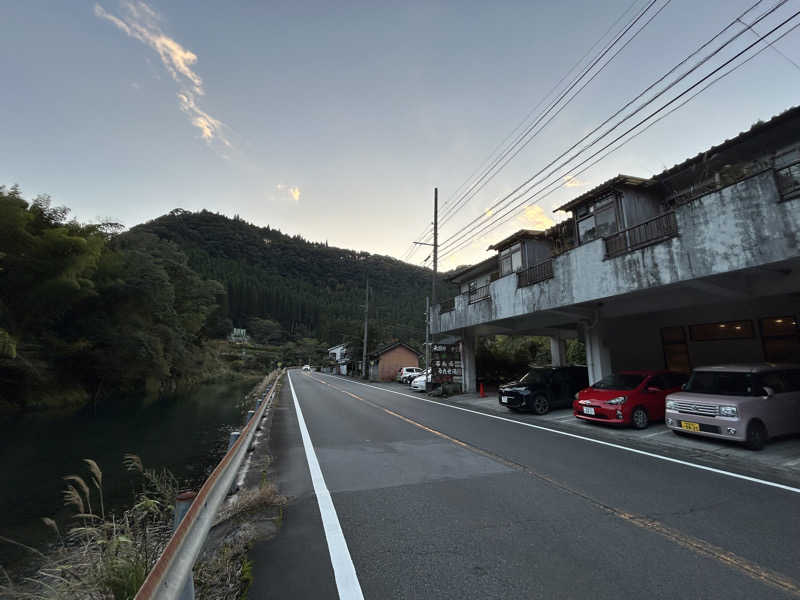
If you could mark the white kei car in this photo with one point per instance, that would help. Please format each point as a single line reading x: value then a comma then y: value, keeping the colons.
x: 418, y: 383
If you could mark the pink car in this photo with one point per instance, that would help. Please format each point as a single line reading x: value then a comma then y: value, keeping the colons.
x: 746, y: 403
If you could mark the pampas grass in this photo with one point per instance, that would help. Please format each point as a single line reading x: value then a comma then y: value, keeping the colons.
x: 100, y: 556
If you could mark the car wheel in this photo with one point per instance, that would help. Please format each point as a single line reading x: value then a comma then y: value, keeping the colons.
x: 540, y: 404
x: 639, y: 418
x: 756, y: 435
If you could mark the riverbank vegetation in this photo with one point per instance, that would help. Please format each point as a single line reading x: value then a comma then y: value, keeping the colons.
x: 101, y: 551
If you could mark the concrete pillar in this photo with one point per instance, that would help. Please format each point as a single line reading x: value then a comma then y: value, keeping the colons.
x: 598, y: 357
x: 558, y: 351
x: 469, y: 374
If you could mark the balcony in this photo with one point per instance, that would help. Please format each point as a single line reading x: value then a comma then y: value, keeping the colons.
x: 479, y: 293
x: 447, y: 305
x: 644, y: 234
x: 536, y: 273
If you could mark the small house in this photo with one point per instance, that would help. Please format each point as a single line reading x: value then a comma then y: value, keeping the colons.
x: 384, y: 363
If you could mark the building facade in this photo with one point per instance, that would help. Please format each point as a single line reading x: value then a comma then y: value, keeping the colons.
x: 697, y: 265
x: 384, y: 364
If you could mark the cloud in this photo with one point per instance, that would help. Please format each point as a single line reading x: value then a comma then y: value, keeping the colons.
x: 143, y: 23
x: 534, y: 217
x: 570, y: 181
x: 291, y: 190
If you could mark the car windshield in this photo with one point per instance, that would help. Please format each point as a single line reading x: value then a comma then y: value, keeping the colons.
x: 534, y: 376
x: 619, y: 381
x: 723, y: 383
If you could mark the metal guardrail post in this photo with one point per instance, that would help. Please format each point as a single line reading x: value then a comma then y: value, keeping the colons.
x: 182, y: 503
x: 232, y: 439
x: 250, y: 414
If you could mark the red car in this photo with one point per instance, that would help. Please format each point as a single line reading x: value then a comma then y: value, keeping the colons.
x: 628, y: 397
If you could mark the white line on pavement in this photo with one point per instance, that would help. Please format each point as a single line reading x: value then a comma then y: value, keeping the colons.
x: 592, y: 440
x: 343, y: 570
x: 649, y: 435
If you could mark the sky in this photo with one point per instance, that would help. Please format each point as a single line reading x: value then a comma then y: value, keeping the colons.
x: 336, y: 120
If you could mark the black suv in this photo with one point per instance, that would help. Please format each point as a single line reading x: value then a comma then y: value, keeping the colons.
x: 543, y: 388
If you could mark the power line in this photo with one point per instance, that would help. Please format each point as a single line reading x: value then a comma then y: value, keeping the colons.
x: 521, y: 143
x: 475, y: 224
x: 772, y: 45
x: 426, y: 233
x: 495, y: 223
x: 631, y: 138
x: 516, y: 192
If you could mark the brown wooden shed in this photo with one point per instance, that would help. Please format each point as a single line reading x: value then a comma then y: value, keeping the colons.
x: 385, y: 362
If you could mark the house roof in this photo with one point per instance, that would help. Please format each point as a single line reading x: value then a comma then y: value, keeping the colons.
x: 628, y: 180
x: 392, y: 346
x: 756, y: 129
x: 515, y: 237
x: 337, y: 346
x: 485, y: 266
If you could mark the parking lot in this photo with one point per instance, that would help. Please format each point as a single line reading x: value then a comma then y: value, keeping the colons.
x: 779, y: 460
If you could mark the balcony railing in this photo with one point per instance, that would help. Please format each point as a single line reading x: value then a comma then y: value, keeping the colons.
x: 478, y: 294
x: 536, y: 273
x: 447, y: 305
x: 644, y: 234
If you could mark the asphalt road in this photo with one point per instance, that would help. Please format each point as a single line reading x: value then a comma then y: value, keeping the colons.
x: 435, y: 502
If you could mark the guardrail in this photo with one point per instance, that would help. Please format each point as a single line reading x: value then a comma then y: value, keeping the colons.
x: 447, y: 305
x: 536, y: 273
x: 170, y: 577
x: 652, y: 231
x: 478, y: 294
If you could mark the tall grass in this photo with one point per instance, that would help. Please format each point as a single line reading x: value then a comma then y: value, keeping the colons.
x: 102, y: 556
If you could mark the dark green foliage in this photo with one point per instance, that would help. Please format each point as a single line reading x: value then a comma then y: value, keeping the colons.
x: 306, y: 289
x: 85, y: 310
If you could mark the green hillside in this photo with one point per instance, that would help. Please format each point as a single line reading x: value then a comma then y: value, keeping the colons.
x: 309, y: 289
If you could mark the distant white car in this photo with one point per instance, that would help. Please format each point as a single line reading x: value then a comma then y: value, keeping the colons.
x: 418, y: 383
x: 306, y: 367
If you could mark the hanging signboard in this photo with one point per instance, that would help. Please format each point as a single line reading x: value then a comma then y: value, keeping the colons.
x: 446, y: 363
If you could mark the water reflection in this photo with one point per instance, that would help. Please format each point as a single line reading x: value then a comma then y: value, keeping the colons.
x: 186, y: 433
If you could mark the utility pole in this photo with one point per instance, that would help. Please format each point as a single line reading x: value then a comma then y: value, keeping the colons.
x: 433, y: 299
x: 435, y: 242
x: 364, y: 372
x: 427, y: 332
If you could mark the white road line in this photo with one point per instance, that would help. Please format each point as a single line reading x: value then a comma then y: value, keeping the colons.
x: 649, y: 435
x: 343, y: 570
x: 591, y: 440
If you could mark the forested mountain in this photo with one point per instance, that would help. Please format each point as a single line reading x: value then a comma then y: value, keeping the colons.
x: 309, y: 289
x: 88, y: 312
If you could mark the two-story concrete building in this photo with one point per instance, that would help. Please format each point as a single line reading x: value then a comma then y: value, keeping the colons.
x: 697, y: 265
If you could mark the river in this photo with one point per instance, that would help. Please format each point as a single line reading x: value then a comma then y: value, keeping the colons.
x: 187, y: 433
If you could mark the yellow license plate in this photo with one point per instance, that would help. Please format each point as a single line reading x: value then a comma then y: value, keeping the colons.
x: 689, y: 426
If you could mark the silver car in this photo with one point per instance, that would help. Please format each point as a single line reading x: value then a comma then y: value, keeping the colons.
x: 746, y: 403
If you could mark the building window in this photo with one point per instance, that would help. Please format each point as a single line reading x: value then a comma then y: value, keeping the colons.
x: 676, y: 350
x: 788, y: 180
x: 729, y: 330
x: 511, y: 260
x: 781, y: 338
x: 600, y: 220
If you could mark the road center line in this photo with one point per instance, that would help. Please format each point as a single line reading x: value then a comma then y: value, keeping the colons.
x: 343, y: 569
x: 676, y: 461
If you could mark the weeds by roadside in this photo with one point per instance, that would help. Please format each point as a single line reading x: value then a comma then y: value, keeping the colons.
x: 108, y: 556
x: 102, y: 555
